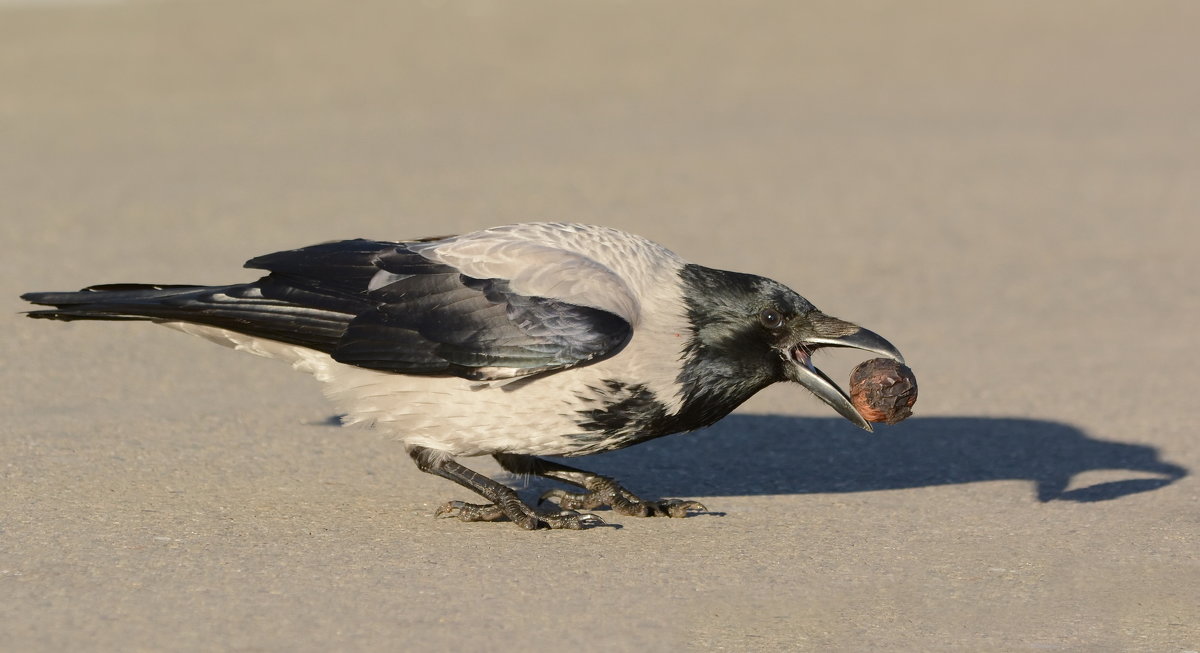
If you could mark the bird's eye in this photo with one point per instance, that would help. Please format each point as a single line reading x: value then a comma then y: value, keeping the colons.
x: 770, y: 318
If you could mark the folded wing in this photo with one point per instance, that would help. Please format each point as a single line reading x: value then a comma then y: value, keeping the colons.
x: 378, y: 305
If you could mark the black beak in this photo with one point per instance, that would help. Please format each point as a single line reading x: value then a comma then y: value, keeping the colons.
x: 860, y: 338
x: 836, y: 333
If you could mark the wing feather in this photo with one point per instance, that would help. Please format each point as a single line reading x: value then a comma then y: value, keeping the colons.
x: 496, y: 304
x: 414, y: 315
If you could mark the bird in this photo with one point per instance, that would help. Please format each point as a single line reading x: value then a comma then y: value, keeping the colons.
x: 520, y: 342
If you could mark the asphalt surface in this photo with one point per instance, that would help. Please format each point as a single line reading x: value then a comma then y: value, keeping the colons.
x: 1009, y: 191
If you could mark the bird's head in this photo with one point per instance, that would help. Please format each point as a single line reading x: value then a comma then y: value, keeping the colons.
x: 753, y: 331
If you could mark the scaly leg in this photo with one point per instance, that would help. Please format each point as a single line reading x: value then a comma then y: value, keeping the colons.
x: 600, y: 490
x: 504, y: 500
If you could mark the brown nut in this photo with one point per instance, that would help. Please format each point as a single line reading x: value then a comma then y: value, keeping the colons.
x: 883, y: 390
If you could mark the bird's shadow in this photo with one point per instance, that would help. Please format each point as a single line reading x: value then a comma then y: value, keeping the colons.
x: 776, y: 454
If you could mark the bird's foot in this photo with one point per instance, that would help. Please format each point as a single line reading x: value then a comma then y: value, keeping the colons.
x: 520, y: 514
x: 605, y: 492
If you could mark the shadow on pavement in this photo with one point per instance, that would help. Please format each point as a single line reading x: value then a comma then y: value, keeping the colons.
x: 775, y: 454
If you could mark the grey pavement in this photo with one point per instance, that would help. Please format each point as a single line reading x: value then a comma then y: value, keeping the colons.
x: 1009, y: 191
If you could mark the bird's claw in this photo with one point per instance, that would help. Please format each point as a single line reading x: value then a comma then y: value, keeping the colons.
x: 470, y: 511
x: 611, y: 495
x: 587, y: 519
x: 676, y: 507
x: 573, y: 501
x: 523, y: 516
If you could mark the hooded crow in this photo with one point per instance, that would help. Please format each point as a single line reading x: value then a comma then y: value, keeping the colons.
x: 520, y: 341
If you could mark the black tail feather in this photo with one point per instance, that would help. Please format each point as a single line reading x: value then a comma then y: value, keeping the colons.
x: 244, y: 308
x: 118, y: 301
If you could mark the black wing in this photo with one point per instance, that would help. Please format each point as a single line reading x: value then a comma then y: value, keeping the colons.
x: 376, y: 305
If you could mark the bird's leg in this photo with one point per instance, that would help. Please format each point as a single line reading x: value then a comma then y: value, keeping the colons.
x: 600, y: 490
x: 504, y: 500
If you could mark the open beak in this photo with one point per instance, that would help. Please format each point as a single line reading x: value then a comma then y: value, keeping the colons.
x: 836, y: 333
